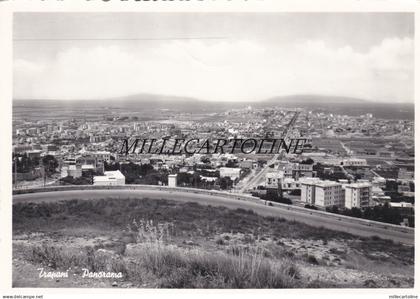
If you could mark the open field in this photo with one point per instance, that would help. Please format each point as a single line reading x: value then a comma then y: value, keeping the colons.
x: 170, y: 244
x: 350, y: 225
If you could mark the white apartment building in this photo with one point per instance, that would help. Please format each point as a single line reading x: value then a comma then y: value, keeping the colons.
x: 274, y: 180
x: 307, y: 188
x: 172, y: 180
x: 322, y: 193
x: 358, y: 195
x: 233, y: 173
x: 74, y: 171
x: 110, y: 178
x: 329, y: 193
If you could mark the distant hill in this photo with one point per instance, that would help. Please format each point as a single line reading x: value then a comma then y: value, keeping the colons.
x: 177, y: 103
x: 343, y: 105
x: 156, y: 101
x: 314, y: 100
x: 152, y: 103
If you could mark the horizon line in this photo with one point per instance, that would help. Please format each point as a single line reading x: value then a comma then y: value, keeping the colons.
x: 130, y: 97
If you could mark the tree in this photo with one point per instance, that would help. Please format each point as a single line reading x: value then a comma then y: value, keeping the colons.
x: 353, y: 212
x: 50, y: 164
x: 411, y: 186
x: 112, y: 166
x: 133, y: 172
x: 383, y: 213
x: 225, y: 183
x: 307, y: 206
x: 295, y: 192
x: 391, y: 185
x: 307, y: 161
x: 205, y: 159
x: 184, y: 179
x: 231, y: 164
x: 356, y: 212
x: 69, y: 180
x: 276, y: 196
x: 332, y: 209
x: 24, y: 163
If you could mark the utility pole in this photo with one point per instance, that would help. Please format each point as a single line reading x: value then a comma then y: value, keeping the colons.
x: 15, y: 172
x: 42, y: 169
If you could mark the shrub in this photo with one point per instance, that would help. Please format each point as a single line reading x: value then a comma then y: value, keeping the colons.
x: 312, y: 260
x: 219, y: 241
x: 176, y: 267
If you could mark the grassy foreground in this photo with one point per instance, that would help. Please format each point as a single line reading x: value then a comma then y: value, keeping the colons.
x: 166, y: 244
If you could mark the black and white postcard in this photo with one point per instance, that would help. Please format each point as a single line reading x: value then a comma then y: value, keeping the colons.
x: 219, y: 149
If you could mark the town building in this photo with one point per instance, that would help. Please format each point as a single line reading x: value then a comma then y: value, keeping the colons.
x: 172, y: 180
x: 354, y: 162
x: 329, y: 193
x: 21, y: 148
x: 274, y: 180
x: 232, y: 173
x: 88, y: 168
x: 34, y: 154
x: 358, y: 195
x: 74, y: 171
x: 110, y: 178
x: 405, y: 174
x: 103, y: 156
x: 298, y: 170
x: 290, y: 184
x: 322, y: 193
x: 402, y: 204
x: 248, y: 164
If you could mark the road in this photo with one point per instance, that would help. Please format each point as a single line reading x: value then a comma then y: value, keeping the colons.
x: 333, y: 222
x: 253, y: 182
x: 260, y: 176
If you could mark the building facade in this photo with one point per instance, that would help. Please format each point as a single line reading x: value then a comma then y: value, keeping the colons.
x: 358, y: 195
x: 172, y: 180
x: 322, y: 193
x: 274, y: 180
x: 232, y: 173
x: 110, y: 178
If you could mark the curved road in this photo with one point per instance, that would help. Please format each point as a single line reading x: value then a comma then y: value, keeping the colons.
x: 312, y: 219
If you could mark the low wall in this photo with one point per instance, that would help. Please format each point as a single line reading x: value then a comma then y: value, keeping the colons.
x: 236, y: 196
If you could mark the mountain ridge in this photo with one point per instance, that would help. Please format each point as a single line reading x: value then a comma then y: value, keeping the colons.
x: 295, y: 99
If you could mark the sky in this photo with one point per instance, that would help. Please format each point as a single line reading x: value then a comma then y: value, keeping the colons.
x: 214, y: 56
